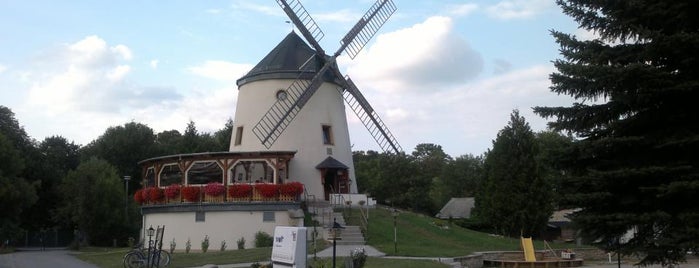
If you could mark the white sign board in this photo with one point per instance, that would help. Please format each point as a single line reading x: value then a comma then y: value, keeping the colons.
x: 289, y: 247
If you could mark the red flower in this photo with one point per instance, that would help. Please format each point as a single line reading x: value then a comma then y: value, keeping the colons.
x: 172, y: 191
x: 138, y: 196
x: 214, y: 189
x: 239, y: 190
x: 155, y: 194
x: 191, y: 193
x: 267, y: 190
x: 291, y: 189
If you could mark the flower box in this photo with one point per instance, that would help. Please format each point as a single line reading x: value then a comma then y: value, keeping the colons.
x: 155, y: 195
x: 191, y: 193
x: 214, y: 189
x: 240, y: 192
x: 266, y: 192
x: 172, y: 193
x: 138, y: 197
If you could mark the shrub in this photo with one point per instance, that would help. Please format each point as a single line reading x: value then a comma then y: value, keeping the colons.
x: 205, y: 244
x: 214, y: 189
x: 263, y: 239
x: 223, y: 245
x: 172, y: 191
x: 358, y: 256
x: 267, y: 190
x: 241, y: 243
x: 188, y: 245
x: 240, y: 190
x: 173, y: 245
x: 291, y: 189
x: 191, y: 193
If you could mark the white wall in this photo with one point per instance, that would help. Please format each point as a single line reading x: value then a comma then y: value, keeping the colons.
x: 218, y: 225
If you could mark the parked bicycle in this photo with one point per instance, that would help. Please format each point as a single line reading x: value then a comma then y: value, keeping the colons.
x: 139, y: 257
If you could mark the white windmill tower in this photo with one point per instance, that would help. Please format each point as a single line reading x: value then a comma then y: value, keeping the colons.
x: 292, y: 100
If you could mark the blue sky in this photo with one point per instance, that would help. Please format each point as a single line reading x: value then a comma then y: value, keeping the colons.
x: 443, y: 72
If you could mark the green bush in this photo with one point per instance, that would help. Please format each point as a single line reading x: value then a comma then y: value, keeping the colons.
x: 241, y: 243
x: 262, y: 240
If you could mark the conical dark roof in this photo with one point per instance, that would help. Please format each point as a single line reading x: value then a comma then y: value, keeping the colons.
x: 284, y: 61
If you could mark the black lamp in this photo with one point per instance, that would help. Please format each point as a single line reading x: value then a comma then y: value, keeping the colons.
x: 336, y: 227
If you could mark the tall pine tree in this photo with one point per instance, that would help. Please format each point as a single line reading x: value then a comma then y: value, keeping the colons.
x: 515, y: 198
x: 635, y: 167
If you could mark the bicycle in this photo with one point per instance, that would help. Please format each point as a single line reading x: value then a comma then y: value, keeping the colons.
x: 139, y: 258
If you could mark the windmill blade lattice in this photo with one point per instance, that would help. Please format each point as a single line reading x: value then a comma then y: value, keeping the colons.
x: 304, y: 22
x: 371, y: 120
x: 367, y: 26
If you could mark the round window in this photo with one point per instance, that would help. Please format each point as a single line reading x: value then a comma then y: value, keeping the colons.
x: 281, y: 95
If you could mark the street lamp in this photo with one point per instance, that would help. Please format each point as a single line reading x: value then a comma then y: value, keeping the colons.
x: 126, y: 201
x: 150, y: 233
x: 395, y: 232
x: 336, y: 227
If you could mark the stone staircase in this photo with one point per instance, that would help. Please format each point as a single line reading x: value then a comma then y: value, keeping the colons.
x: 324, y: 214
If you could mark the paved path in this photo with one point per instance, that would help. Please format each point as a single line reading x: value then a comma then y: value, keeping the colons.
x: 39, y: 259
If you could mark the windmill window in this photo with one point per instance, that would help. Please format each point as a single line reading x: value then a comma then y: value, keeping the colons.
x: 327, y: 135
x: 238, y: 135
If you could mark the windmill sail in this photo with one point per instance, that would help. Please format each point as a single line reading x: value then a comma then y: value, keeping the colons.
x: 282, y: 113
x: 370, y: 118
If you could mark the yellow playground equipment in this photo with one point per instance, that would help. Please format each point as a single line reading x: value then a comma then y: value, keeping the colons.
x: 528, y: 248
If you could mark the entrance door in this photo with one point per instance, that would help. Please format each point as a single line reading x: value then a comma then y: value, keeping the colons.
x: 330, y: 185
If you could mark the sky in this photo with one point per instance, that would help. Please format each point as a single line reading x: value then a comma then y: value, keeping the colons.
x: 444, y: 72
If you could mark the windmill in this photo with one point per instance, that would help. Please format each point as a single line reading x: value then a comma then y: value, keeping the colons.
x: 283, y: 112
x: 297, y: 89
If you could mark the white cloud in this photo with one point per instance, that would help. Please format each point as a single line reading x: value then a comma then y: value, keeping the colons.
x: 518, y: 9
x: 213, y: 11
x: 154, y: 64
x: 220, y: 70
x: 463, y: 9
x: 118, y: 73
x: 85, y: 75
x: 3, y: 68
x: 426, y: 56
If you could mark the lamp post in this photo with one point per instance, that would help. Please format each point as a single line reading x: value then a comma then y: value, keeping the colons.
x: 395, y: 231
x: 336, y: 227
x: 150, y: 233
x: 126, y: 201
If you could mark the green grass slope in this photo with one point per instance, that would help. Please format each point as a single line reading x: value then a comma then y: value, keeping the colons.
x: 421, y: 236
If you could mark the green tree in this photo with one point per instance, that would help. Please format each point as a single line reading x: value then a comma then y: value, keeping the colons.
x: 168, y: 142
x: 222, y: 137
x: 460, y: 177
x: 123, y: 147
x: 57, y: 156
x: 515, y: 199
x: 92, y: 200
x: 635, y: 167
x: 16, y: 194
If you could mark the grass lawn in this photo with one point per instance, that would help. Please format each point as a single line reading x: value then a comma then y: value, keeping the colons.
x: 419, y: 236
x: 110, y: 257
x: 374, y: 262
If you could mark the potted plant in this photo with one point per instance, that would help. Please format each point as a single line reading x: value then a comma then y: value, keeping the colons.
x: 267, y: 191
x: 190, y: 193
x: 155, y: 194
x: 138, y: 196
x: 172, y: 193
x: 214, y: 191
x: 240, y: 192
x: 290, y: 191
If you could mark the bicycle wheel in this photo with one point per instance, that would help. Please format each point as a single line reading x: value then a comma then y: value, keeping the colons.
x: 134, y: 259
x: 164, y: 259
